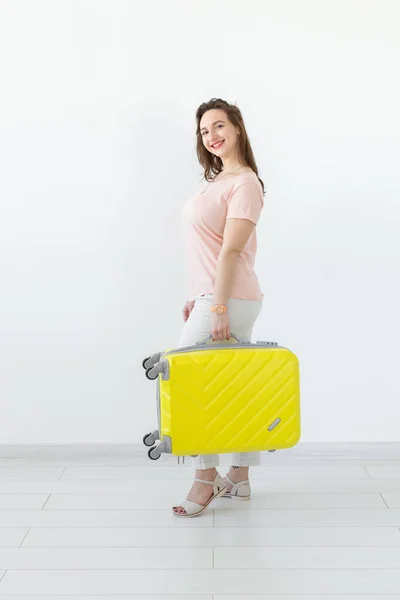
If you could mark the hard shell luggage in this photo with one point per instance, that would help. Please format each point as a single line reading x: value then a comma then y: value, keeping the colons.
x: 219, y: 397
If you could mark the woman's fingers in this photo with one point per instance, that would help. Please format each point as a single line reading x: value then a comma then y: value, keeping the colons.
x: 220, y: 327
x: 220, y: 334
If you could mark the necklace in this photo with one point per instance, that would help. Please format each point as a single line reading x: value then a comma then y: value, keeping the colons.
x: 229, y: 173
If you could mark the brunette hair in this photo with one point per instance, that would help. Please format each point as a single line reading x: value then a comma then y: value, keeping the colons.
x: 211, y: 163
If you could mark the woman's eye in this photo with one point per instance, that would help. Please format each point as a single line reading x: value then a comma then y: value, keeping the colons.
x: 220, y: 125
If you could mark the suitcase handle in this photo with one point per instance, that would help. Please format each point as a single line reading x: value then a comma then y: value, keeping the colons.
x: 209, y: 337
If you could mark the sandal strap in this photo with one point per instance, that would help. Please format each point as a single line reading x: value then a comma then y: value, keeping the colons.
x: 191, y: 507
x: 217, y: 483
x: 237, y: 485
x: 229, y: 479
x: 204, y: 481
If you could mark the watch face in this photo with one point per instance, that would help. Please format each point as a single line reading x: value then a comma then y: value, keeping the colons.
x: 220, y: 310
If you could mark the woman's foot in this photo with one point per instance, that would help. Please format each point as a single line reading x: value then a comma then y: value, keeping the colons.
x: 236, y: 474
x: 199, y: 492
x: 237, y: 483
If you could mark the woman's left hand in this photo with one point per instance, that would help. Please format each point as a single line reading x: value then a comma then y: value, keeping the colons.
x: 220, y: 326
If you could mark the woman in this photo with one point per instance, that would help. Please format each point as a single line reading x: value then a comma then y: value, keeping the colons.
x: 224, y: 293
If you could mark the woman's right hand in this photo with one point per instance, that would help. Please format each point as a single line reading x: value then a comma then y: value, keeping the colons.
x: 187, y: 309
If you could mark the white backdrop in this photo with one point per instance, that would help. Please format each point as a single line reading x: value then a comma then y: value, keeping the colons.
x: 97, y: 154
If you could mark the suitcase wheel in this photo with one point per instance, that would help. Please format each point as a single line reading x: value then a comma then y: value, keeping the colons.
x: 148, y: 376
x: 144, y: 361
x: 150, y: 438
x: 154, y: 453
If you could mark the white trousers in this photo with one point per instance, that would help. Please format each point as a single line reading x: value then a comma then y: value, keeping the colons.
x: 242, y: 316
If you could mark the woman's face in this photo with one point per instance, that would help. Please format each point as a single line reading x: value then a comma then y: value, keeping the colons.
x: 215, y: 127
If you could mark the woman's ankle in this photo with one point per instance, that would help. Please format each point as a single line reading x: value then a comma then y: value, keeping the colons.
x: 238, y: 473
x: 207, y: 474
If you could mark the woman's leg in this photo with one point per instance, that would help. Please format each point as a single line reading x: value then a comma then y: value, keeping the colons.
x: 246, y: 459
x: 196, y: 329
x: 243, y: 314
x: 239, y: 471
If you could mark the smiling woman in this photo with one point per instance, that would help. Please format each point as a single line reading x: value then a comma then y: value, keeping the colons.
x: 222, y: 141
x: 224, y: 295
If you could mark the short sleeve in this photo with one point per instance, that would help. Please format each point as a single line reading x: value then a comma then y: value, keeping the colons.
x: 245, y: 202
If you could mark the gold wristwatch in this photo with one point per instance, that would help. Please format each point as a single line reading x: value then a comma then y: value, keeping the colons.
x: 219, y: 309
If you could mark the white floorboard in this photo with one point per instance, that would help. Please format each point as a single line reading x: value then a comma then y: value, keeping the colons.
x: 216, y: 537
x: 211, y: 581
x: 108, y: 558
x: 135, y: 597
x: 258, y: 502
x: 202, y: 597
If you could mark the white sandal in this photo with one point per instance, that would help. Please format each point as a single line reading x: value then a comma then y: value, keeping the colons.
x: 240, y: 490
x: 192, y: 508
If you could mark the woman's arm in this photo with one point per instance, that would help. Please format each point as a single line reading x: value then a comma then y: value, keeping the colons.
x: 236, y: 234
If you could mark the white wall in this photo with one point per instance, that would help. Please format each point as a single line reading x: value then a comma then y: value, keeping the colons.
x: 97, y: 154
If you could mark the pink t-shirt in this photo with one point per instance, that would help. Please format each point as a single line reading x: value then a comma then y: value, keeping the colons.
x: 204, y: 216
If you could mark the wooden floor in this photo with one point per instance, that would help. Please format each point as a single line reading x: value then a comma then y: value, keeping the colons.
x: 95, y: 521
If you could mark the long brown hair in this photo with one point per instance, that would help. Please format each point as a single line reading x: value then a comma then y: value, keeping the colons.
x: 211, y: 163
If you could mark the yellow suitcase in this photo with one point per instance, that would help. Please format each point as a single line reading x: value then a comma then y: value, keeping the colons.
x: 219, y: 397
